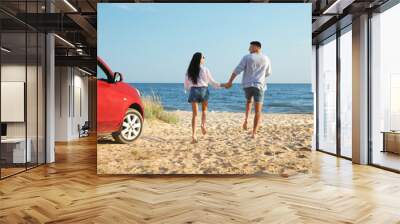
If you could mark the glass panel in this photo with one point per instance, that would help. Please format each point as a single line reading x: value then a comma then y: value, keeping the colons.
x: 386, y: 89
x: 23, y: 90
x: 41, y: 98
x: 32, y: 88
x: 327, y: 96
x: 346, y: 93
x: 13, y: 87
x: 31, y: 98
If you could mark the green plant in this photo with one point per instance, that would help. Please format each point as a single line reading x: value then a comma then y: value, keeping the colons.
x: 153, y: 109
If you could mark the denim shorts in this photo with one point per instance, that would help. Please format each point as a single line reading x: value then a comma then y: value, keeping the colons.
x: 198, y: 94
x: 254, y: 92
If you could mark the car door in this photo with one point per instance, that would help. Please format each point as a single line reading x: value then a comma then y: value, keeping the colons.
x: 109, y: 105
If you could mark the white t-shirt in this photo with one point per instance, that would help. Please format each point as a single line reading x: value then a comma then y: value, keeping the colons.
x: 204, y: 79
x: 256, y: 67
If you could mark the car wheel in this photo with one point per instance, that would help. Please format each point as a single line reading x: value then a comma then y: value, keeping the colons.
x: 131, y: 127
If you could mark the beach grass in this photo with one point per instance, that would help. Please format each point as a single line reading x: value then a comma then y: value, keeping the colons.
x: 153, y: 109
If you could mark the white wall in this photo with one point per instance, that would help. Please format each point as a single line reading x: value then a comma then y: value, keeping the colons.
x: 17, y: 73
x: 33, y: 126
x: 71, y: 102
x: 80, y: 112
x: 14, y: 73
x: 61, y: 104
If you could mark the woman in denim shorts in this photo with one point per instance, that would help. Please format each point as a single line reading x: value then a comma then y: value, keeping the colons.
x: 197, y: 79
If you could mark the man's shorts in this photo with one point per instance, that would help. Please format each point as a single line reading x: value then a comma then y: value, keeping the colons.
x: 255, y: 93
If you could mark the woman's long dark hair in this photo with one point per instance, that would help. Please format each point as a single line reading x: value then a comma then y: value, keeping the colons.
x: 194, y: 67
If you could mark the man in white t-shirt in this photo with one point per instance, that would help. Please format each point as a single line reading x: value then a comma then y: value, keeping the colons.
x: 256, y: 67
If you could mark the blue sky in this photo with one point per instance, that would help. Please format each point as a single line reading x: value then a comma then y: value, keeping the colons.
x: 152, y: 42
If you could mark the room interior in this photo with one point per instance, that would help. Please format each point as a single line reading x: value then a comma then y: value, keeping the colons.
x: 337, y: 85
x: 22, y: 101
x: 74, y: 52
x: 25, y: 91
x: 346, y: 185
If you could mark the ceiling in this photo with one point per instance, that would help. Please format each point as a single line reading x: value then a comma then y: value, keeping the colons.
x: 75, y: 21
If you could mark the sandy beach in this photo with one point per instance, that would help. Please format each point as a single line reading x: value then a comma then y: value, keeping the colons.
x: 282, y: 147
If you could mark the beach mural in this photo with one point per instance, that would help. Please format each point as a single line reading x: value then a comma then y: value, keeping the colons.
x: 170, y: 121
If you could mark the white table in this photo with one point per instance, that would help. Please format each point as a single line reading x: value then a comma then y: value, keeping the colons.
x: 19, y: 153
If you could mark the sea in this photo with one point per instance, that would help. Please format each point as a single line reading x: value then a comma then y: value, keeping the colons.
x: 279, y: 98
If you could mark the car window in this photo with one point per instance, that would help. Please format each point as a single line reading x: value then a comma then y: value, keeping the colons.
x: 101, y: 74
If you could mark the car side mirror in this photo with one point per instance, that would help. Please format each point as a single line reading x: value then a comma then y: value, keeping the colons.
x: 118, y: 77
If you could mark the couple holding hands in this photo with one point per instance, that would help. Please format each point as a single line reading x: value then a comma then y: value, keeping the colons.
x: 255, y: 67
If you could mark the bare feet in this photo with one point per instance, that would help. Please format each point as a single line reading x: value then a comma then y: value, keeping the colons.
x: 245, y: 125
x: 203, y: 129
x: 253, y: 135
x: 194, y: 140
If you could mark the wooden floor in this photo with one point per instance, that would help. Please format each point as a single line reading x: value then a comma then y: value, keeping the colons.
x: 5, y: 172
x: 69, y: 191
x: 387, y: 159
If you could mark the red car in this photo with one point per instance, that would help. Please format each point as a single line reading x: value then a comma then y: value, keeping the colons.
x: 119, y: 107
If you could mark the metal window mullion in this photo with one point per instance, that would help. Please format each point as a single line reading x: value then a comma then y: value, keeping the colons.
x: 45, y: 89
x: 317, y: 97
x: 37, y: 91
x: 69, y: 94
x: 45, y: 95
x: 0, y: 97
x: 369, y: 89
x: 338, y: 82
x: 60, y: 92
x: 26, y: 87
x: 73, y: 91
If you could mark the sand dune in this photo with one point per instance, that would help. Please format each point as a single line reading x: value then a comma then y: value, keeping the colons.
x: 282, y: 147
